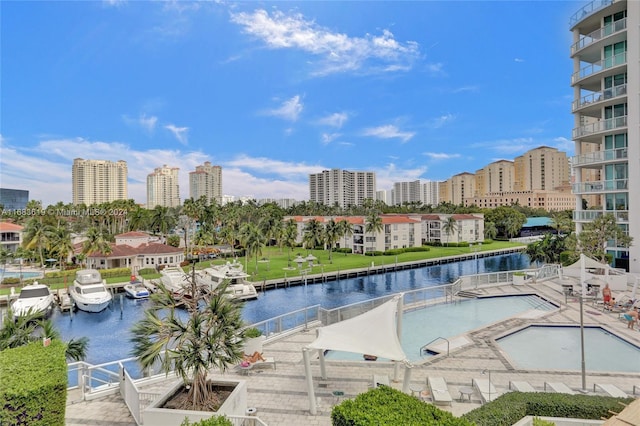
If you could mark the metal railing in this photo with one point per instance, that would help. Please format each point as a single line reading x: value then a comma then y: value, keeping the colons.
x: 600, y: 126
x: 588, y: 10
x: 424, y: 347
x: 591, y: 215
x: 289, y: 321
x: 601, y: 65
x: 599, y: 156
x: 599, y: 34
x: 600, y: 186
x: 595, y: 97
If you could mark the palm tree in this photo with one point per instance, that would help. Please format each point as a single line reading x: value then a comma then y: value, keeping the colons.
x: 96, y: 242
x: 450, y: 226
x: 209, y: 337
x: 332, y: 234
x: 61, y: 243
x: 253, y: 240
x: 289, y: 236
x: 312, y: 234
x: 37, y: 236
x: 490, y: 230
x: 373, y: 226
x: 162, y: 220
x: 32, y: 327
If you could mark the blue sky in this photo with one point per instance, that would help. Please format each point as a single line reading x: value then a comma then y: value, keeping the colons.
x: 274, y: 91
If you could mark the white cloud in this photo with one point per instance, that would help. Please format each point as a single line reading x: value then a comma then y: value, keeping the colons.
x: 179, y: 132
x: 146, y: 123
x: 275, y: 167
x: 389, y: 131
x: 114, y: 3
x: 441, y: 155
x: 337, y: 119
x: 337, y: 51
x: 443, y: 120
x: 518, y: 60
x: 509, y: 146
x: 436, y: 68
x: 289, y: 110
x: 327, y: 138
x: 390, y: 174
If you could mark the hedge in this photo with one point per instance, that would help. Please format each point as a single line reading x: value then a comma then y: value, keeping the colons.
x: 395, y: 252
x: 34, y: 384
x: 387, y: 406
x: 513, y: 406
x: 212, y: 421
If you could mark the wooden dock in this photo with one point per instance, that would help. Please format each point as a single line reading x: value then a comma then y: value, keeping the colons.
x: 63, y: 300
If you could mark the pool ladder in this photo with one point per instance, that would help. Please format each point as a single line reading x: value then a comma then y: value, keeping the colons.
x: 424, y: 347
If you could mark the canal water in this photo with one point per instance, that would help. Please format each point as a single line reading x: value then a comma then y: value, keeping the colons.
x: 109, y: 331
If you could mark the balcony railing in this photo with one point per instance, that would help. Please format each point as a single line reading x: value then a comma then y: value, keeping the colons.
x: 600, y: 186
x: 600, y: 126
x: 588, y: 10
x: 591, y: 215
x: 599, y: 34
x: 604, y: 95
x: 601, y: 65
x: 599, y: 156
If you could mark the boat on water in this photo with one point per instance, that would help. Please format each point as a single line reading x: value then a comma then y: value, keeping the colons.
x: 238, y: 287
x: 174, y: 279
x: 33, y: 298
x: 89, y: 291
x: 136, y: 290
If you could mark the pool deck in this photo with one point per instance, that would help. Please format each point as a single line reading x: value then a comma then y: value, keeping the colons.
x: 280, y: 395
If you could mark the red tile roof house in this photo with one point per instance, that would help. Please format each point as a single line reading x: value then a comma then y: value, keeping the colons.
x: 10, y: 236
x: 135, y: 250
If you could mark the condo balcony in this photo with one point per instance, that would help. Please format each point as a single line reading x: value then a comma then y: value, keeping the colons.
x: 596, y: 68
x: 598, y: 100
x: 594, y: 131
x: 588, y: 10
x: 597, y: 158
x: 595, y: 187
x: 599, y: 34
x: 622, y: 216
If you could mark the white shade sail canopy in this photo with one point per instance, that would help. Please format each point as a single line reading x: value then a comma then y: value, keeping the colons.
x: 372, y: 333
x: 574, y: 269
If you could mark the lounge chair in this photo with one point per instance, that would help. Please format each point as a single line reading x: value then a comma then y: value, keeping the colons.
x: 266, y: 361
x: 558, y: 388
x: 611, y: 390
x: 519, y: 386
x: 487, y: 391
x: 439, y: 391
x: 380, y: 380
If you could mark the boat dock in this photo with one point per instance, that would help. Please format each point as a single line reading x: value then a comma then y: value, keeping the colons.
x: 63, y: 300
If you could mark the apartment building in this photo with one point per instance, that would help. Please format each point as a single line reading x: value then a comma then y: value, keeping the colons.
x: 548, y: 200
x: 469, y: 228
x: 495, y: 177
x: 98, y: 181
x: 543, y: 168
x: 342, y: 187
x: 606, y: 110
x: 457, y: 188
x: 206, y: 181
x: 163, y: 188
x: 407, y: 192
x: 430, y: 193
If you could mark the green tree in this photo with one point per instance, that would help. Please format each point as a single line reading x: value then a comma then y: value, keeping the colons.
x: 96, y: 242
x: 332, y: 234
x: 289, y: 236
x: 253, y: 240
x: 37, y: 235
x: 373, y: 226
x: 210, y: 336
x: 162, y: 220
x: 346, y: 230
x: 60, y: 243
x: 592, y: 241
x: 507, y: 220
x: 312, y: 234
x: 449, y: 227
x: 490, y: 230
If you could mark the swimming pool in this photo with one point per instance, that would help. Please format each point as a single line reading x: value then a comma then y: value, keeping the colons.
x: 13, y: 274
x: 557, y: 347
x: 422, y: 326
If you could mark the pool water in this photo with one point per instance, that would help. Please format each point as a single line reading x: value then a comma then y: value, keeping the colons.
x: 4, y: 274
x: 422, y: 326
x: 551, y: 347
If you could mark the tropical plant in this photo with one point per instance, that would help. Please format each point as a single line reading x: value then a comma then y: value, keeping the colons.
x: 312, y: 234
x: 490, y: 230
x: 253, y: 240
x: 60, y: 243
x: 33, y: 327
x: 592, y: 240
x: 37, y: 236
x: 373, y: 226
x: 449, y: 227
x: 332, y: 234
x: 289, y: 236
x: 210, y: 336
x: 96, y: 242
x: 346, y: 230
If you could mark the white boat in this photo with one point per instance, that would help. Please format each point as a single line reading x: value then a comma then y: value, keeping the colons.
x: 174, y: 279
x: 136, y: 290
x: 238, y: 287
x: 89, y: 291
x: 35, y: 298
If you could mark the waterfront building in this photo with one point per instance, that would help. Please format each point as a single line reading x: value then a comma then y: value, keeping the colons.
x: 13, y: 199
x: 10, y: 236
x: 469, y: 228
x: 206, y: 181
x: 457, y: 188
x: 495, y: 177
x: 548, y: 200
x: 541, y: 169
x: 98, y: 181
x: 163, y: 188
x: 606, y: 110
x: 342, y: 187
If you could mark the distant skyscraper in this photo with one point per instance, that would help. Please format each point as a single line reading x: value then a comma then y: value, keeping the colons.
x: 162, y: 187
x: 206, y: 180
x: 13, y: 199
x: 542, y: 168
x: 98, y: 181
x: 342, y: 187
x: 406, y: 192
x: 430, y: 193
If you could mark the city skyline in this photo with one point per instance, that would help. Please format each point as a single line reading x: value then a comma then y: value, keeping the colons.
x: 273, y: 92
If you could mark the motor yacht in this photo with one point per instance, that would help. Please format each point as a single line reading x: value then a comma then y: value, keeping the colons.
x: 238, y: 287
x: 89, y: 291
x: 34, y: 298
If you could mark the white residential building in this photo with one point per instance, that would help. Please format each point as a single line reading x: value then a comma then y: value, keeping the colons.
x: 469, y: 228
x: 342, y: 187
x: 407, y: 192
x: 163, y: 188
x: 606, y: 110
x: 430, y: 193
x: 206, y: 181
x: 98, y: 181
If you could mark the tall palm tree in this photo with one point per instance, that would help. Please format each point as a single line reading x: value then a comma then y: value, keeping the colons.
x: 96, y: 242
x: 332, y: 233
x: 490, y: 230
x: 373, y: 226
x: 162, y: 220
x: 312, y: 234
x: 253, y: 240
x: 209, y: 337
x: 289, y: 236
x: 37, y: 236
x: 61, y: 244
x: 346, y: 230
x: 450, y: 227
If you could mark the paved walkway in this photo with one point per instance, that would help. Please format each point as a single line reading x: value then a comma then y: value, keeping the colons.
x: 280, y: 394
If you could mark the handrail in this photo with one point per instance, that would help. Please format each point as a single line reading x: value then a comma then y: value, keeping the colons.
x: 437, y: 338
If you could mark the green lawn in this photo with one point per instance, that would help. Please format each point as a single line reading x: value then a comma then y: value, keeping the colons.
x: 274, y: 263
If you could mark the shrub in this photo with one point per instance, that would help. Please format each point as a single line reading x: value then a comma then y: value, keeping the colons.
x: 568, y: 257
x: 146, y: 271
x: 11, y: 280
x: 387, y: 406
x: 540, y: 422
x: 212, y: 421
x: 374, y: 253
x: 34, y: 384
x: 487, y: 241
x: 252, y: 332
